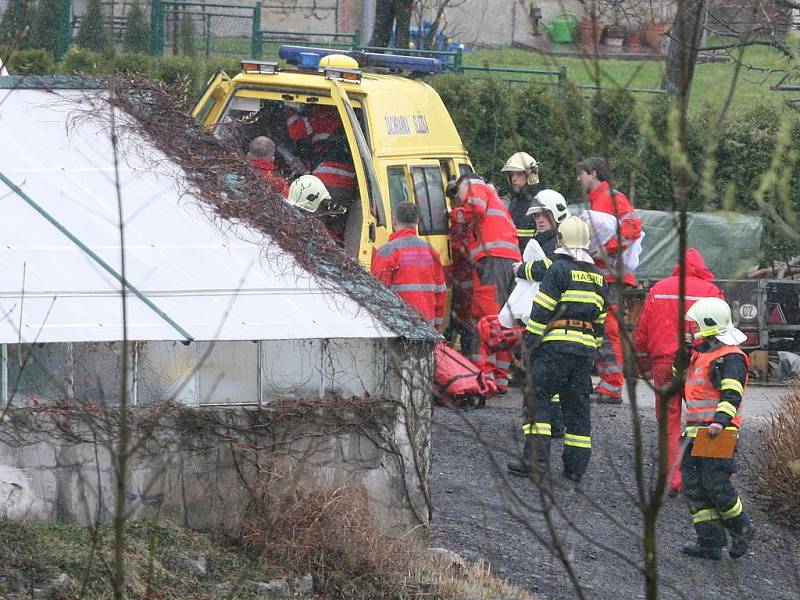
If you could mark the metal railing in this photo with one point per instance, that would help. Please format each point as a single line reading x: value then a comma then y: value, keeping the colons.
x: 275, y: 36
x: 224, y: 28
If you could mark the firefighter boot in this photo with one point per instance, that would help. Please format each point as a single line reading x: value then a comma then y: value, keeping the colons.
x: 710, y: 541
x: 742, y: 532
x: 530, y: 453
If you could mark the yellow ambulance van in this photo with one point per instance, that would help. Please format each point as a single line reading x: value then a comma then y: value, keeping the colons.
x: 403, y: 143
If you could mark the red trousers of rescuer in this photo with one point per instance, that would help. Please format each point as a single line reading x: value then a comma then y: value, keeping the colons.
x: 609, y: 358
x: 489, y: 293
x: 662, y: 377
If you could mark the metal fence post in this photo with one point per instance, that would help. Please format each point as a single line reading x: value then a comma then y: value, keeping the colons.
x: 64, y: 28
x: 562, y: 79
x: 356, y: 39
x: 157, y: 28
x: 458, y: 60
x: 256, y: 43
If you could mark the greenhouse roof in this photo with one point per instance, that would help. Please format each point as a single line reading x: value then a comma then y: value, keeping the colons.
x: 191, y: 275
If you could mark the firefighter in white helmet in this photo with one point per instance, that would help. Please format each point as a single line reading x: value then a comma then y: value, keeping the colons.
x: 308, y: 193
x: 522, y: 171
x: 716, y: 379
x: 548, y: 210
x: 561, y: 339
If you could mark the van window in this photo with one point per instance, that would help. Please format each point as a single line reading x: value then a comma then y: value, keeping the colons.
x: 429, y: 194
x: 398, y: 188
x: 464, y: 169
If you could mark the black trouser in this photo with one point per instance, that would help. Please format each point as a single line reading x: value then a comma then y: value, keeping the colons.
x: 569, y: 376
x: 386, y: 12
x: 713, y: 500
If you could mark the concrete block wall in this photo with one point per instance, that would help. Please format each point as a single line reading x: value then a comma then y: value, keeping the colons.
x: 197, y: 465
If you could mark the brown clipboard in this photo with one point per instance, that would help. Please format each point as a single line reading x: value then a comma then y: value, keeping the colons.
x: 721, y: 446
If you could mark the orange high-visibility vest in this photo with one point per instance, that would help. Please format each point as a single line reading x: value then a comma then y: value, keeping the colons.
x: 701, y: 395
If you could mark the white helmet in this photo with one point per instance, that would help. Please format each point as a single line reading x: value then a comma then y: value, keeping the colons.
x: 552, y: 201
x: 522, y: 161
x: 713, y: 318
x: 574, y: 233
x: 307, y: 192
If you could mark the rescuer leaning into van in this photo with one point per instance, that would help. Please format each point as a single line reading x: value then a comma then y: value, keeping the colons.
x: 309, y: 194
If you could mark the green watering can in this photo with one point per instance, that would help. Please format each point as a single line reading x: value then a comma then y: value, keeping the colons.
x: 562, y: 29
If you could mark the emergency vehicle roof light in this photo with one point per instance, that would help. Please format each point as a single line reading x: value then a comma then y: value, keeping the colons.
x: 259, y: 66
x: 352, y: 75
x: 416, y: 64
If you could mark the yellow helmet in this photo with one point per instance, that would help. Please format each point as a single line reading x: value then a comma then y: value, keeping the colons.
x: 522, y: 161
x: 574, y: 233
x: 307, y: 192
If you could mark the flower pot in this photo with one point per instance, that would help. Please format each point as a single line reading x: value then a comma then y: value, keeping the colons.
x: 590, y: 31
x: 654, y: 34
x: 634, y: 39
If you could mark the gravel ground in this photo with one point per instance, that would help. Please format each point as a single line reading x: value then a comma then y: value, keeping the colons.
x: 478, y: 512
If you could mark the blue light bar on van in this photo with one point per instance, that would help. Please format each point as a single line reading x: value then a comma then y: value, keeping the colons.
x: 416, y: 64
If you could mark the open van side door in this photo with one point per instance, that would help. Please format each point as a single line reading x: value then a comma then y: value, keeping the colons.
x: 212, y: 102
x: 371, y: 229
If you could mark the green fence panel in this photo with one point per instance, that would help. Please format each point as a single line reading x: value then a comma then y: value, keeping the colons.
x: 64, y: 28
x: 188, y: 27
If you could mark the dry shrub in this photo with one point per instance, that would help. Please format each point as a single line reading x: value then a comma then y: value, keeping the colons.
x: 328, y: 530
x: 779, y: 457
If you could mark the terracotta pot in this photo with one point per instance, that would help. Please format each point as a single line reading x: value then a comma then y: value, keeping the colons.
x: 654, y: 34
x: 634, y: 39
x: 591, y: 32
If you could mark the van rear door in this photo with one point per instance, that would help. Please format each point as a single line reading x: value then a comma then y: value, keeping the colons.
x: 374, y: 224
x: 212, y: 102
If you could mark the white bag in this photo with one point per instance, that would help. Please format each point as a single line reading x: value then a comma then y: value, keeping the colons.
x: 520, y: 301
x: 604, y: 227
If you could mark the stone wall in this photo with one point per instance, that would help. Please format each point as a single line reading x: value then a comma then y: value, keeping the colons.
x: 202, y: 466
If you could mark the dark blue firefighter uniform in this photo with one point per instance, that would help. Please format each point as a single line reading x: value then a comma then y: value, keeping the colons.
x: 563, y: 334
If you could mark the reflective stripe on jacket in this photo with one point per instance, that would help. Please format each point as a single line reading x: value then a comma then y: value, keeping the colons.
x: 569, y: 311
x: 703, y: 397
x: 336, y: 176
x: 412, y: 268
x: 485, y: 222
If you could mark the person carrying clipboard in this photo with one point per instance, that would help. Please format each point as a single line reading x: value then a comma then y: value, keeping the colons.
x: 715, y: 382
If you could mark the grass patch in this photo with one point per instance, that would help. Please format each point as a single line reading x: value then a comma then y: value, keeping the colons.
x: 712, y: 80
x: 33, y: 554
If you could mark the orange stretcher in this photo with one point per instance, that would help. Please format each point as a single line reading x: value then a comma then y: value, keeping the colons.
x: 721, y: 446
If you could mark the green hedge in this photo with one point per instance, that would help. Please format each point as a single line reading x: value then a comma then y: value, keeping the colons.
x: 756, y: 149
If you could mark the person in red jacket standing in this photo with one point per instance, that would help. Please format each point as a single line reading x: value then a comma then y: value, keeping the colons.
x: 659, y: 333
x: 593, y: 177
x: 411, y: 267
x: 484, y: 227
x: 261, y: 154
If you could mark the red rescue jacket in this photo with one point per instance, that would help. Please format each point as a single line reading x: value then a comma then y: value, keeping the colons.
x: 486, y: 224
x: 267, y: 170
x: 657, y: 328
x: 298, y: 127
x: 601, y: 199
x: 412, y: 268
